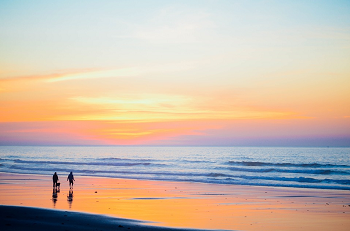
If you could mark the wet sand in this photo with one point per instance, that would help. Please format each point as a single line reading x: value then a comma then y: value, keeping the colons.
x: 171, y: 204
x: 28, y: 218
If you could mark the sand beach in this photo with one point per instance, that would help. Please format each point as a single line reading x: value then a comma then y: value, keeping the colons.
x: 29, y: 218
x: 97, y: 203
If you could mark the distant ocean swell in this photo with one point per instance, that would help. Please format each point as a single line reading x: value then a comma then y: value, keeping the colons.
x: 82, y: 163
x: 132, y: 162
x: 230, y: 178
x: 282, y: 167
x: 313, y: 165
x: 307, y: 171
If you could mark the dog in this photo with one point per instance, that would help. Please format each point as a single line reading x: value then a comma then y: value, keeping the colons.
x: 58, y: 185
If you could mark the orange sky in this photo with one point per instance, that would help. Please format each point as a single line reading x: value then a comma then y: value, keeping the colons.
x: 176, y: 74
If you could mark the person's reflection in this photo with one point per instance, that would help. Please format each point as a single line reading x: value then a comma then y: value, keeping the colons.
x: 70, y: 198
x: 54, y: 197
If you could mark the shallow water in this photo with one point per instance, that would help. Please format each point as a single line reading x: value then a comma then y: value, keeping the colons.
x: 324, y: 168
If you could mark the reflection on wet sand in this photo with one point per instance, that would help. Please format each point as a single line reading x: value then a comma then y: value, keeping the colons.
x: 192, y: 205
x: 70, y: 198
x: 54, y: 196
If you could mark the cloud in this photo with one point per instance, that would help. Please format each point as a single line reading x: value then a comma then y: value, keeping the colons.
x: 131, y: 71
x: 164, y: 107
x: 122, y: 72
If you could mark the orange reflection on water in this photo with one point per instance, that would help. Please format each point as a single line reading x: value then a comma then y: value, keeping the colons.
x: 190, y: 205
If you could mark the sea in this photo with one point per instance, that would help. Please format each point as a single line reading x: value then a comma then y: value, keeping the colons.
x: 321, y: 168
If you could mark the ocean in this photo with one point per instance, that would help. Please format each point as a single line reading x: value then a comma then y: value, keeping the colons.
x: 322, y: 168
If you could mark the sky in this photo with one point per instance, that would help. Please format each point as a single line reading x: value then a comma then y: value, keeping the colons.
x: 217, y: 73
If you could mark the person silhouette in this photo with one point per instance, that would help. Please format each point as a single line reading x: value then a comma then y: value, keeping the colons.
x: 71, y: 179
x: 55, y: 179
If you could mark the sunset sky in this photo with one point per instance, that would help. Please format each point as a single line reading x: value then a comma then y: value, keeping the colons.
x: 245, y: 73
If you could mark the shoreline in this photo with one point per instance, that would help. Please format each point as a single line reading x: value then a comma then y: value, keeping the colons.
x: 338, y: 188
x: 266, y: 166
x: 185, y: 205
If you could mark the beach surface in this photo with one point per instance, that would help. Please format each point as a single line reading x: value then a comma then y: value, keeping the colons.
x: 96, y: 203
x: 28, y: 218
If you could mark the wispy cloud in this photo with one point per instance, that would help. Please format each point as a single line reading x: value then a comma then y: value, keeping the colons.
x: 131, y: 71
x: 122, y: 72
x: 159, y: 107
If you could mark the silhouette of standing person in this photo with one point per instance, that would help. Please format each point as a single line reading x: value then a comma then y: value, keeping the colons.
x: 54, y: 180
x: 71, y: 179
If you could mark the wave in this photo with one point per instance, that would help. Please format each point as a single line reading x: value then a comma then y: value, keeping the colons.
x: 216, y: 178
x: 297, y: 179
x: 283, y: 184
x: 302, y: 171
x: 131, y: 172
x: 299, y: 169
x: 283, y: 179
x: 123, y: 159
x: 197, y: 161
x: 311, y: 165
x: 82, y: 163
x: 191, y: 176
x: 217, y: 175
